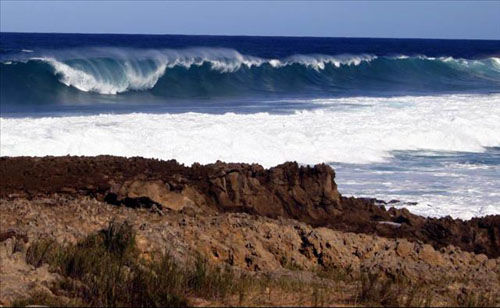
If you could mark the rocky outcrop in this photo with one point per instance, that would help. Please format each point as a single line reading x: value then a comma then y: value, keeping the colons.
x: 259, y: 245
x: 307, y: 194
x: 17, y: 278
x: 287, y: 190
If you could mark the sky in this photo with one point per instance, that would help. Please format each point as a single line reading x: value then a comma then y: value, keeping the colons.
x: 403, y: 19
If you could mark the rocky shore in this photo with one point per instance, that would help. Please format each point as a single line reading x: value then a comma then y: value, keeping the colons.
x: 284, y: 223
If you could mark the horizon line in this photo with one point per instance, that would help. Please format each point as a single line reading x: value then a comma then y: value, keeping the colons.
x: 250, y: 35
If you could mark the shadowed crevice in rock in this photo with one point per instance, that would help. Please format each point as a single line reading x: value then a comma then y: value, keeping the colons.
x: 308, y: 194
x: 139, y: 202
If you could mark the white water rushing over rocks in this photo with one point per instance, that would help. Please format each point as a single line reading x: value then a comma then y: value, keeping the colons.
x: 345, y: 132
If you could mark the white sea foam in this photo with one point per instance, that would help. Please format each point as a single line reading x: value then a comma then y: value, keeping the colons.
x: 400, y: 57
x: 319, y: 62
x: 495, y: 63
x: 349, y: 130
x: 464, y: 193
x: 366, y: 132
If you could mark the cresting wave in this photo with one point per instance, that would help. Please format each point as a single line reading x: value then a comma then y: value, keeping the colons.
x: 219, y: 72
x: 96, y: 81
x: 112, y: 71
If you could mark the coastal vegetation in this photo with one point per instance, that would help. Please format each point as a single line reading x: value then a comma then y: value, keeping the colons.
x: 107, y: 269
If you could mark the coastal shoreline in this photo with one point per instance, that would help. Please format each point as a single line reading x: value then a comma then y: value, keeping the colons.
x: 286, y: 221
x: 307, y: 194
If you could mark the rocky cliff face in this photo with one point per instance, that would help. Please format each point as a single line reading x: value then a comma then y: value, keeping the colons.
x: 307, y: 194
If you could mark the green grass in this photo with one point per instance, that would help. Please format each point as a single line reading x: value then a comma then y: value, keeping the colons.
x: 105, y: 269
x: 335, y: 273
x: 376, y: 288
x: 45, y: 299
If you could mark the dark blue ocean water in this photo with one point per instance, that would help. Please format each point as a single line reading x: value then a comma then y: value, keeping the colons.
x: 121, y: 73
x: 265, y: 47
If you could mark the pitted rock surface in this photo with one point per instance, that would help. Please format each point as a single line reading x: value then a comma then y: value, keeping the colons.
x: 307, y: 194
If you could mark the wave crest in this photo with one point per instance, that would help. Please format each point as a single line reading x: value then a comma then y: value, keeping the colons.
x: 118, y: 70
x: 97, y: 79
x: 112, y: 71
x: 319, y: 62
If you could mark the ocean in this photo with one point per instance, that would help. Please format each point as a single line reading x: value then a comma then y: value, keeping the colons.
x: 411, y: 121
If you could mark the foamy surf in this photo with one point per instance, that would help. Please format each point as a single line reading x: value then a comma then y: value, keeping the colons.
x: 350, y: 135
x: 367, y: 131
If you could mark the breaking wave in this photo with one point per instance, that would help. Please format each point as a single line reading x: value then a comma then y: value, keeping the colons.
x: 208, y: 72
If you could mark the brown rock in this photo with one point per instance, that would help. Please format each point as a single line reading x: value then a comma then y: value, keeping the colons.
x: 429, y: 255
x: 308, y: 194
x: 251, y: 243
x: 404, y: 248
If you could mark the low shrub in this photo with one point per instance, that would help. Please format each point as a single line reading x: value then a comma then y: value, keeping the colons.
x: 376, y: 288
x: 105, y: 269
